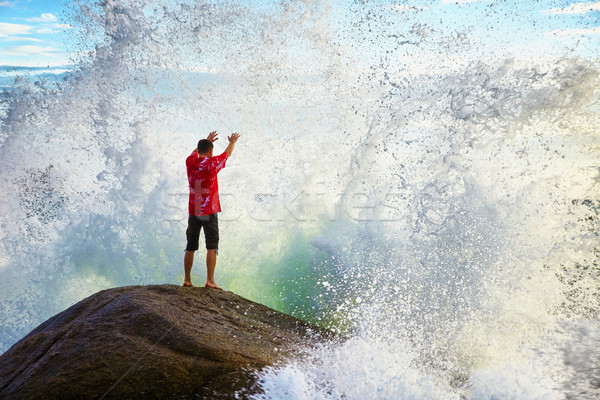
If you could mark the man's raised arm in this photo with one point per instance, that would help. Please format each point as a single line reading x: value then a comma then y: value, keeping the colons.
x: 232, y: 139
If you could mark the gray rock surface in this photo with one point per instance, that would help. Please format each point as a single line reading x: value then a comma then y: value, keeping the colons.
x: 153, y: 342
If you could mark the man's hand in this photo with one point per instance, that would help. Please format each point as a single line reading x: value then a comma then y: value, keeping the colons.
x: 232, y: 139
x: 213, y: 136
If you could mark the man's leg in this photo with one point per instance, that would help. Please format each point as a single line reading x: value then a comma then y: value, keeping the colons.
x: 211, y: 262
x: 188, y: 262
x: 211, y: 232
x: 192, y: 233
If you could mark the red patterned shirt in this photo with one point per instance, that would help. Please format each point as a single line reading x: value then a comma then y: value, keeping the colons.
x: 202, y: 179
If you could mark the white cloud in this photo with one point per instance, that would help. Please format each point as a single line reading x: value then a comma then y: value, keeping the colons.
x: 46, y: 17
x: 45, y: 30
x: 574, y: 32
x: 13, y: 29
x: 7, y: 3
x: 20, y: 39
x: 28, y: 50
x: 575, y: 8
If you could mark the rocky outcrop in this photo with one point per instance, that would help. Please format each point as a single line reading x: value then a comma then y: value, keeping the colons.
x: 153, y: 342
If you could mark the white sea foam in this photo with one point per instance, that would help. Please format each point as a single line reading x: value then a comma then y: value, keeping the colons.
x: 374, y: 368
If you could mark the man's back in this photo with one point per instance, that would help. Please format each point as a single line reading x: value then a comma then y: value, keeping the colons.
x: 204, y: 186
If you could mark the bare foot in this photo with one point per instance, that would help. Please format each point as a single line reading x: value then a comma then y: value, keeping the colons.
x: 187, y: 284
x: 212, y: 285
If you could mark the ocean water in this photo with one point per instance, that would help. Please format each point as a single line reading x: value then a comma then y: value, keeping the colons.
x: 431, y: 195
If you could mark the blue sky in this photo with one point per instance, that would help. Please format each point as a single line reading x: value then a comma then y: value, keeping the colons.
x: 34, y: 32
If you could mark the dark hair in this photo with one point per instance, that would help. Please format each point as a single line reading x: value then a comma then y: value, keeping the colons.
x: 204, y: 146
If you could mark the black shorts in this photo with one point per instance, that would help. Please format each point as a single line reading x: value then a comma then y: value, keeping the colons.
x: 210, y: 223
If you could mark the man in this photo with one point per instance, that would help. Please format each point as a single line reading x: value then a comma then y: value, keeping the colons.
x: 202, y: 169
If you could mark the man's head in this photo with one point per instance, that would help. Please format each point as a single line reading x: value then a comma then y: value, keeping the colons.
x: 205, y: 148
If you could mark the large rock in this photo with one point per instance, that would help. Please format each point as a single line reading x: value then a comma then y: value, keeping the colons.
x: 162, y: 342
